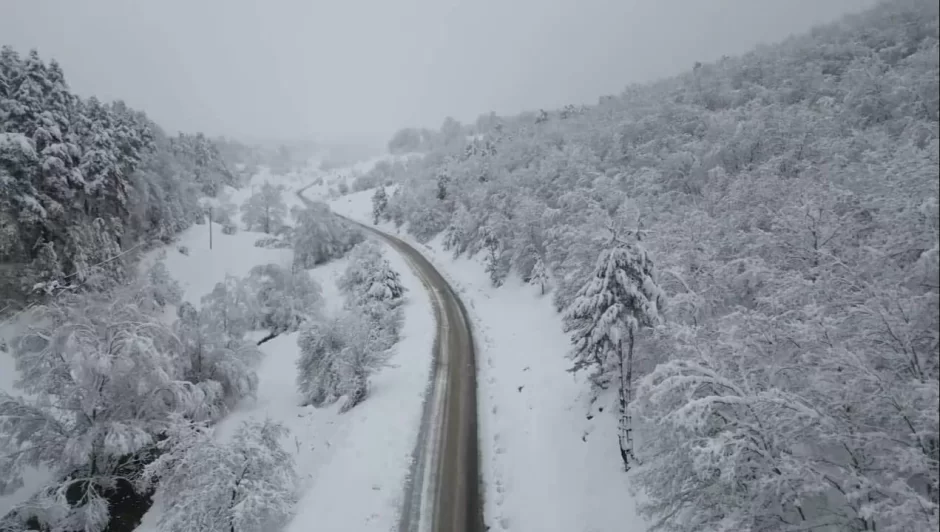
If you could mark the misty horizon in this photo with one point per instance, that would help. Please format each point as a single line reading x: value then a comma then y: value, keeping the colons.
x: 288, y: 70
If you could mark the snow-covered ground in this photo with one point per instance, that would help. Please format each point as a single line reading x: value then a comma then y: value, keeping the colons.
x: 352, y: 466
x: 546, y: 467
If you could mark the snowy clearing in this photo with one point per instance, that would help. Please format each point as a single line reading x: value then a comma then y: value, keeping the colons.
x: 538, y: 447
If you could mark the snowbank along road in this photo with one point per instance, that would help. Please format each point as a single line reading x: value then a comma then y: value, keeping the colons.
x: 442, y: 493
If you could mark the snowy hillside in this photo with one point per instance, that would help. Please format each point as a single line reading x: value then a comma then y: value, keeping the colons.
x: 744, y: 259
x: 343, y: 481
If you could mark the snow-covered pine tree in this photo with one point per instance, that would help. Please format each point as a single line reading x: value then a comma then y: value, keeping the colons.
x: 247, y: 484
x: 443, y: 181
x: 379, y: 203
x: 620, y: 297
x: 369, y: 275
x: 539, y: 275
x: 374, y: 290
x: 493, y: 261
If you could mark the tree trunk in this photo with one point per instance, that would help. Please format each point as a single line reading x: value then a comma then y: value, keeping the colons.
x: 625, y: 432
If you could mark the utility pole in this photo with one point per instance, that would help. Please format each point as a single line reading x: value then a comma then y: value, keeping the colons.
x: 210, y: 226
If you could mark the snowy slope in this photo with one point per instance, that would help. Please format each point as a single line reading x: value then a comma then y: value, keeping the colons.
x: 352, y: 466
x: 546, y: 467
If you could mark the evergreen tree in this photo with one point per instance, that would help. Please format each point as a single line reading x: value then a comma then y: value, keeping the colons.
x: 379, y: 203
x: 539, y: 276
x: 620, y: 297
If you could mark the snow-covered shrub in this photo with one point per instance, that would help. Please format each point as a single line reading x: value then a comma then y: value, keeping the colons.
x: 184, y: 250
x: 272, y: 242
x: 247, y: 484
x: 285, y: 297
x: 229, y: 228
x: 320, y: 236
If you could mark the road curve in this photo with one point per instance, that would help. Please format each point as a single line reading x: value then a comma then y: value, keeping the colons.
x: 442, y: 493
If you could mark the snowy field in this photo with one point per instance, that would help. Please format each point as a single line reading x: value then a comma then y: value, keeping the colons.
x: 546, y: 466
x: 352, y: 466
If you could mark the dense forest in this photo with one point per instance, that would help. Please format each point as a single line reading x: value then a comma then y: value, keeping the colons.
x: 746, y: 256
x: 85, y: 182
x: 110, y: 383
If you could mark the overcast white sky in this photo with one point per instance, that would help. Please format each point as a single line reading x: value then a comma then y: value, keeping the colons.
x: 305, y: 68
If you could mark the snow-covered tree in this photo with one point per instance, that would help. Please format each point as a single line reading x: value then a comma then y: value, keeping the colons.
x: 539, y: 276
x: 320, y: 236
x: 213, y: 358
x: 790, y: 199
x: 495, y: 260
x: 285, y: 297
x: 265, y: 210
x: 87, y: 180
x: 379, y: 204
x: 318, y: 368
x: 374, y: 290
x: 338, y: 355
x: 156, y: 288
x: 247, y: 484
x: 365, y: 352
x: 106, y: 382
x: 621, y: 297
x: 370, y: 276
x: 232, y: 306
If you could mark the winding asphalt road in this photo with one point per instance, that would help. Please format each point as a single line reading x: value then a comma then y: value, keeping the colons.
x: 442, y: 493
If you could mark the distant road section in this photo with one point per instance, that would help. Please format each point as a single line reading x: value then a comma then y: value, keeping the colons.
x: 442, y: 493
